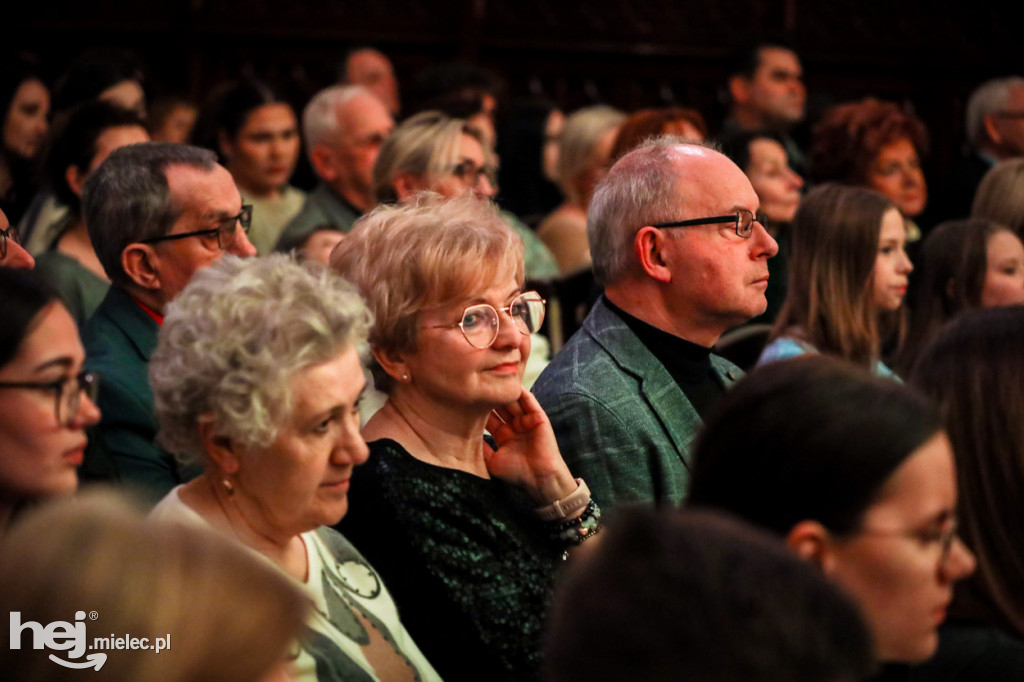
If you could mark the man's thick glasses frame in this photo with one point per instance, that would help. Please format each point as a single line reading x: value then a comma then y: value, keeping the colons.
x: 480, y: 323
x: 10, y: 233
x: 226, y: 231
x: 743, y: 219
x: 67, y: 390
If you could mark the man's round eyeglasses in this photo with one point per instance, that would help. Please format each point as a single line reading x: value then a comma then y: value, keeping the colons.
x: 743, y: 219
x: 68, y: 392
x: 480, y: 323
x: 225, y: 231
x: 10, y: 233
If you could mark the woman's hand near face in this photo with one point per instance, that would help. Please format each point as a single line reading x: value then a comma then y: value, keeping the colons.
x: 527, y: 453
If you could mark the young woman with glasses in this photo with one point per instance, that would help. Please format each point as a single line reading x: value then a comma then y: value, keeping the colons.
x: 46, y: 399
x: 848, y: 275
x: 466, y: 530
x: 855, y: 473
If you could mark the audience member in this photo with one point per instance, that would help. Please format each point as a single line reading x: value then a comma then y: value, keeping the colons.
x: 79, y: 144
x: 43, y: 414
x: 584, y: 155
x: 110, y: 74
x: 766, y: 91
x: 446, y: 514
x: 642, y: 125
x: 171, y: 119
x: 344, y: 127
x: 1000, y: 195
x: 254, y: 132
x: 874, y: 144
x: 371, y: 69
x: 627, y: 394
x: 995, y: 132
x: 257, y: 375
x: 855, y: 473
x: 432, y: 151
x: 848, y: 268
x: 528, y: 137
x: 12, y: 253
x: 150, y: 582
x: 157, y: 212
x: 24, y: 106
x: 974, y: 370
x: 694, y: 595
x: 762, y: 156
x: 964, y: 265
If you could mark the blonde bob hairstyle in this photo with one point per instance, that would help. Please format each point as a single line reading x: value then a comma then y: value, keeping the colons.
x: 425, y: 146
x: 583, y: 130
x: 145, y: 579
x: 233, y: 339
x: 428, y: 253
x: 1000, y: 196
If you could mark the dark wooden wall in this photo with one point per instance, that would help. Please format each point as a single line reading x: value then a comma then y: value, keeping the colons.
x: 630, y: 53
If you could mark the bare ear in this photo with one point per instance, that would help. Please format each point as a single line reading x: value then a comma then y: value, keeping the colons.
x: 75, y: 179
x: 992, y: 129
x: 739, y: 89
x: 649, y: 246
x: 322, y: 158
x: 140, y: 263
x: 407, y: 184
x: 219, y: 449
x: 393, y: 363
x: 227, y: 149
x: 950, y: 287
x: 812, y: 542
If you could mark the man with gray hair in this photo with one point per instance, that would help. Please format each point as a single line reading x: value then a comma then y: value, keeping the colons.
x: 344, y: 126
x: 995, y: 132
x: 677, y: 243
x: 157, y: 213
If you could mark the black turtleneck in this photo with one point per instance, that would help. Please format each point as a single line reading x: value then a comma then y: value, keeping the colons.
x: 688, y: 363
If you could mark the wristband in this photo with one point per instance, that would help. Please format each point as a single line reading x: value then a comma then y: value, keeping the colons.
x: 569, y: 506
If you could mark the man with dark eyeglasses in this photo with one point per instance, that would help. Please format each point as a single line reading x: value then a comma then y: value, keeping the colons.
x: 678, y: 244
x: 157, y: 213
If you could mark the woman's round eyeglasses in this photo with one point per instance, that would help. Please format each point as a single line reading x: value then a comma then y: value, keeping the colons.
x: 480, y: 323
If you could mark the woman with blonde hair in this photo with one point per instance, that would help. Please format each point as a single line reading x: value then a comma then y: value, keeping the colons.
x: 584, y: 155
x: 467, y: 530
x: 1000, y: 196
x: 216, y: 611
x: 848, y: 268
x: 257, y: 374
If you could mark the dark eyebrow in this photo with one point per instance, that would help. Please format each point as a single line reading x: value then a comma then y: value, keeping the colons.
x: 64, y: 362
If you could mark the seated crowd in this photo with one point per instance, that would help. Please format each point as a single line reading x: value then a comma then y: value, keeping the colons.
x: 372, y: 428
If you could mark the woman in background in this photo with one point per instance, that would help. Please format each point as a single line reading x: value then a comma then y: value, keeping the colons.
x: 24, y: 107
x: 1000, y: 196
x: 874, y: 144
x: 647, y: 123
x: 963, y: 265
x: 256, y: 135
x: 584, y: 155
x: 848, y: 268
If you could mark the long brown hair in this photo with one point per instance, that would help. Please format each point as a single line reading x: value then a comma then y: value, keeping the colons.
x: 834, y: 244
x: 974, y: 369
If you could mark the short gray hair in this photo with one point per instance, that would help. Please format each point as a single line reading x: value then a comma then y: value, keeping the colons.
x: 640, y: 189
x: 422, y: 145
x: 990, y: 97
x: 320, y: 123
x: 127, y: 198
x: 236, y: 335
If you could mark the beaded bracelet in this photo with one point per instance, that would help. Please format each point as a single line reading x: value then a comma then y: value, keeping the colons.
x: 575, y: 531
